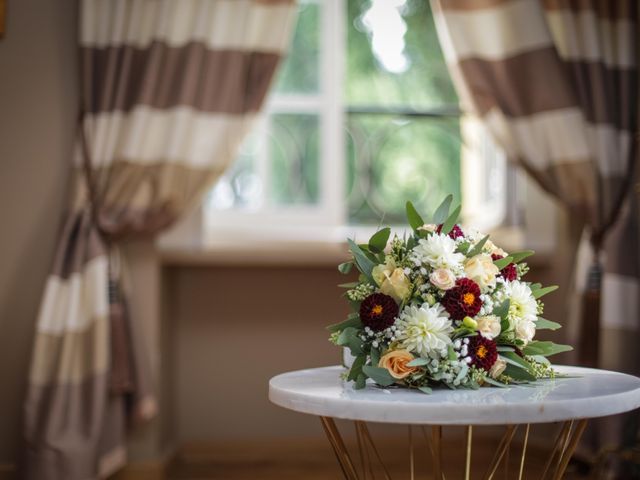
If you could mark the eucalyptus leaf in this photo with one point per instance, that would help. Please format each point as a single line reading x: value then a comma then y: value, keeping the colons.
x: 518, y: 373
x: 519, y: 256
x: 414, y: 218
x: 361, y: 381
x: 543, y: 291
x: 379, y: 375
x: 477, y: 248
x: 450, y: 222
x: 442, y: 212
x: 515, y: 359
x: 356, y: 367
x: 451, y: 353
x: 375, y: 356
x: 503, y: 262
x: 426, y: 390
x: 365, y: 265
x: 544, y: 324
x: 505, y: 348
x: 546, y: 348
x: 378, y: 240
x: 345, y: 267
x: 418, y: 362
x: 349, y: 285
x: 502, y: 310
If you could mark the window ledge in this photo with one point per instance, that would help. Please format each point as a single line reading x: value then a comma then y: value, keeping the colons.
x: 304, y: 252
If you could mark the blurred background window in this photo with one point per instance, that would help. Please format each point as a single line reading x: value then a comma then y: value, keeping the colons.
x: 362, y: 117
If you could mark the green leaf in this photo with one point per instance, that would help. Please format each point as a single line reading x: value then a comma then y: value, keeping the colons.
x: 451, y: 353
x: 349, y: 338
x: 379, y: 375
x: 356, y: 367
x: 418, y: 362
x: 535, y: 286
x: 375, y: 356
x: 451, y: 221
x: 517, y: 257
x: 349, y: 285
x: 518, y: 373
x: 378, y: 240
x: 426, y: 390
x: 414, y: 218
x: 502, y: 310
x: 543, y: 291
x: 352, y: 321
x: 495, y: 383
x: 442, y: 212
x: 463, y: 247
x: 544, y: 324
x: 503, y: 262
x: 345, y: 267
x: 361, y: 381
x: 505, y: 348
x: 546, y: 349
x: 477, y: 248
x: 515, y: 359
x: 365, y: 265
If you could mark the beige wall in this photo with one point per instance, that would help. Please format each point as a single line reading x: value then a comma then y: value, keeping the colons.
x: 37, y: 113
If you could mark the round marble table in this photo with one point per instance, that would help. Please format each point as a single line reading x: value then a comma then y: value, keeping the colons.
x: 584, y: 393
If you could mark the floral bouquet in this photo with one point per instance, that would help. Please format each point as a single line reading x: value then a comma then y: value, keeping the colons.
x: 443, y: 306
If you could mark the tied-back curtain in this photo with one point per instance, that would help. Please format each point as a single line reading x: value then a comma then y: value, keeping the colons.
x: 169, y: 88
x: 556, y: 83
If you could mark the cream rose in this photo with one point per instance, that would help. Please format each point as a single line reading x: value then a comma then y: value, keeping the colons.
x: 428, y: 227
x: 442, y: 278
x: 397, y: 285
x: 481, y: 270
x: 489, y: 326
x: 525, y: 330
x: 395, y: 362
x: 498, y: 368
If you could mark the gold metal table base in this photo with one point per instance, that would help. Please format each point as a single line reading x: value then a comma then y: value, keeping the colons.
x: 369, y: 455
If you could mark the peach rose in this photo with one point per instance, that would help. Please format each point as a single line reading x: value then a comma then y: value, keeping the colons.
x: 442, y: 278
x: 428, y: 227
x: 489, y: 326
x: 392, y: 280
x: 395, y: 362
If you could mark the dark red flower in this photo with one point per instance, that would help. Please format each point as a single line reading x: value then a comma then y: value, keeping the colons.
x: 463, y: 299
x: 510, y: 272
x: 455, y: 232
x: 483, y: 352
x: 378, y: 311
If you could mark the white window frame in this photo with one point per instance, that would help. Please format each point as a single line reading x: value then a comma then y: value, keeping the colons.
x: 328, y: 220
x: 330, y: 211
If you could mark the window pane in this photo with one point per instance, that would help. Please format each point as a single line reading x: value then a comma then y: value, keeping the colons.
x: 392, y: 160
x: 294, y: 150
x: 240, y: 186
x: 394, y: 57
x: 300, y: 71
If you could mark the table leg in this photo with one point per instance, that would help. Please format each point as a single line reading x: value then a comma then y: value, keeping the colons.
x: 339, y: 448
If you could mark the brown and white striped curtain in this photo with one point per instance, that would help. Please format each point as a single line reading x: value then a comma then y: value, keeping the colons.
x: 556, y: 83
x: 169, y: 88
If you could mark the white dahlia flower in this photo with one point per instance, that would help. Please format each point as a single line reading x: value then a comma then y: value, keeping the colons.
x: 424, y: 330
x: 438, y: 251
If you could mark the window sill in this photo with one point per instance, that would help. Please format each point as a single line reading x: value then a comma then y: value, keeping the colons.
x: 304, y: 252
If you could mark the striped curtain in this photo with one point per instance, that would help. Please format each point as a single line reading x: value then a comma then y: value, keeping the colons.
x: 169, y: 88
x: 556, y: 83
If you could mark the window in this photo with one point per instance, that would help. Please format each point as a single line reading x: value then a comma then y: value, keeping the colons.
x: 362, y: 117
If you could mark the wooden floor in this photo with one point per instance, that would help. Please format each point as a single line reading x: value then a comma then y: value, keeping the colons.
x: 314, y: 460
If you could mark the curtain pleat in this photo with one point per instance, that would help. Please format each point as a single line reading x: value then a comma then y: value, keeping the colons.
x: 168, y: 91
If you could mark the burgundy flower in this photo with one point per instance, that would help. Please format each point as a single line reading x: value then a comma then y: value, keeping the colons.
x: 378, y: 311
x: 455, y: 232
x: 483, y: 352
x: 462, y: 300
x: 510, y: 272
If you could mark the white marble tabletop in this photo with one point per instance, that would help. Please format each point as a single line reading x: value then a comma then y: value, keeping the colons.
x: 588, y: 393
